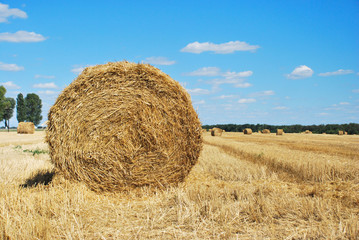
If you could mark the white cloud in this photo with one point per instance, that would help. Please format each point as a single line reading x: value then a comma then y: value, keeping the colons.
x: 339, y: 72
x: 44, y: 76
x: 226, y: 97
x: 355, y: 91
x: 199, y: 102
x: 47, y: 92
x: 344, y: 103
x: 280, y: 108
x: 222, y: 48
x: 6, y: 12
x: 159, y: 61
x: 300, y: 72
x: 262, y: 93
x: 198, y: 91
x: 323, y: 114
x: 243, y: 85
x: 10, y: 85
x: 77, y: 70
x: 205, y: 71
x: 247, y: 100
x: 21, y: 36
x: 45, y: 85
x: 10, y: 67
x: 236, y: 75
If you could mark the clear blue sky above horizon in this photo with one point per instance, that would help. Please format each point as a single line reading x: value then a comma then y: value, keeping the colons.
x: 274, y: 62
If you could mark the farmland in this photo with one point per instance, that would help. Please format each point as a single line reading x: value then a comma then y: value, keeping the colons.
x: 259, y: 186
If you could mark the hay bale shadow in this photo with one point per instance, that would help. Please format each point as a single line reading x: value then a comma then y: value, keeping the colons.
x: 41, y: 177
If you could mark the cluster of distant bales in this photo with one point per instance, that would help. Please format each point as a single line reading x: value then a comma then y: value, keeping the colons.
x: 247, y: 131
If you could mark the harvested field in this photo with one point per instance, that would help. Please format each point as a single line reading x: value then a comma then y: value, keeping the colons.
x: 296, y: 186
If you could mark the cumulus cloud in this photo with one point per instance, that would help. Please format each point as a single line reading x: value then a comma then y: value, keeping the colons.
x: 44, y: 76
x: 47, y: 92
x: 300, y: 72
x: 198, y: 91
x: 339, y: 72
x: 10, y: 85
x: 45, y: 85
x: 10, y: 67
x: 21, y: 36
x: 159, y: 61
x: 262, y: 93
x: 206, y: 71
x: 344, y: 103
x: 226, y: 97
x: 242, y: 85
x: 280, y: 108
x: 222, y: 48
x: 236, y: 75
x: 247, y: 100
x: 6, y: 12
x: 355, y: 91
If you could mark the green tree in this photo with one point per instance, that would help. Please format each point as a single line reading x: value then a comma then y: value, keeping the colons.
x: 20, y: 108
x: 9, y: 111
x: 2, y: 101
x: 33, y: 108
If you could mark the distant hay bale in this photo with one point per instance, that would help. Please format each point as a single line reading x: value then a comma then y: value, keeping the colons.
x: 216, y: 132
x: 345, y: 133
x: 204, y: 130
x: 280, y: 131
x: 266, y: 131
x: 247, y: 131
x: 340, y: 132
x: 123, y: 125
x: 324, y: 133
x: 26, y: 128
x: 259, y: 132
x: 307, y: 132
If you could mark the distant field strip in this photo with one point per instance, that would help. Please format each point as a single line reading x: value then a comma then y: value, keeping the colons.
x: 298, y: 164
x: 343, y: 148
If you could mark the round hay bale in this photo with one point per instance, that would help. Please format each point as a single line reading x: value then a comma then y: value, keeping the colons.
x: 266, y: 131
x: 247, y: 131
x: 280, y: 131
x: 123, y: 125
x: 216, y: 132
x: 26, y: 128
x: 340, y: 132
x: 345, y: 133
x: 259, y: 132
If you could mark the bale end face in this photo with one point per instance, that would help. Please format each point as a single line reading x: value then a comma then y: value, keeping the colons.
x: 124, y: 125
x: 216, y: 132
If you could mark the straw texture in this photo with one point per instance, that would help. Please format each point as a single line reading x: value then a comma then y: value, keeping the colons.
x: 123, y: 125
x: 26, y: 128
x: 280, y: 131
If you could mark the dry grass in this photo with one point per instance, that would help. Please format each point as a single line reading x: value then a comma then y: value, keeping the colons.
x: 238, y: 190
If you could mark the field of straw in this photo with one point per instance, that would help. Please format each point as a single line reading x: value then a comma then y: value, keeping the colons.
x: 294, y: 186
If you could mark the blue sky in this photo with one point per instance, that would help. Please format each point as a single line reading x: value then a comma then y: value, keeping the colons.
x: 274, y: 62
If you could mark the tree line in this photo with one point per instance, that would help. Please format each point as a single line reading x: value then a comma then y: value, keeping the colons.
x: 28, y: 109
x: 351, y: 128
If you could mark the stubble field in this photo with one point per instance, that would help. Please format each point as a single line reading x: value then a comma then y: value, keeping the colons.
x: 258, y: 186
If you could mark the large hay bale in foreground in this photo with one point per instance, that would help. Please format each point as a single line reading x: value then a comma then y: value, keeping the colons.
x: 280, y: 131
x: 266, y: 131
x: 247, y: 131
x: 216, y: 132
x: 123, y: 125
x: 26, y: 128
